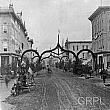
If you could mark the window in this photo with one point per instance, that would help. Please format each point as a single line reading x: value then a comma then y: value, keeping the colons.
x: 83, y: 55
x: 86, y: 46
x: 5, y: 49
x: 77, y: 47
x: 109, y: 28
x: 97, y: 44
x: 109, y: 25
x: 5, y: 44
x: 5, y: 28
x: 92, y: 30
x: 83, y: 47
x: 73, y: 48
x: 102, y: 25
x: 98, y: 26
x: 22, y: 46
x: 95, y: 29
x: 4, y: 60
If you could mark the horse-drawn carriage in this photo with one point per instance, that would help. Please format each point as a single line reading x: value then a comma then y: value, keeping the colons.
x: 24, y: 82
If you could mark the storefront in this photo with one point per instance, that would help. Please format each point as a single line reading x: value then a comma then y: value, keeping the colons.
x: 8, y: 63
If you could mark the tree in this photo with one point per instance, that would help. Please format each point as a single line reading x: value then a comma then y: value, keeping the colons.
x: 61, y: 64
x: 77, y: 67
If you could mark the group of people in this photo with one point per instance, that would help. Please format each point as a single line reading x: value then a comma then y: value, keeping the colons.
x: 23, y: 79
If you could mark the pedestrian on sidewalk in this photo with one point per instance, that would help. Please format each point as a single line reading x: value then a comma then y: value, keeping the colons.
x: 104, y: 78
x: 6, y: 81
x: 104, y: 75
x: 30, y: 75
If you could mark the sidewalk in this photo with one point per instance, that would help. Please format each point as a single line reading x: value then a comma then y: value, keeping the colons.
x: 4, y: 93
x: 106, y: 84
x: 6, y: 106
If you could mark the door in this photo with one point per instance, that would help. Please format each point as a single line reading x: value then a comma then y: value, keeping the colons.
x: 4, y: 64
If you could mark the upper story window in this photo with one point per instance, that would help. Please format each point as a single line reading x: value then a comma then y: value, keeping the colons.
x: 109, y: 28
x: 5, y: 45
x: 73, y: 48
x: 109, y: 25
x: 83, y: 55
x: 86, y: 46
x: 5, y: 27
x: 95, y: 29
x: 77, y: 47
x: 22, y: 46
x: 100, y: 25
x: 83, y: 47
x: 5, y: 49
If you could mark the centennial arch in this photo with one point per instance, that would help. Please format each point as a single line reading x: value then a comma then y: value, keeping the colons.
x: 35, y: 57
x: 57, y: 55
x: 94, y: 56
x: 50, y: 56
x: 30, y: 50
x: 63, y: 57
x: 58, y: 47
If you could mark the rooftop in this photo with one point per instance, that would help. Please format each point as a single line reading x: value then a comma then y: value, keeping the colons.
x: 10, y: 10
x: 98, y: 10
x: 79, y: 41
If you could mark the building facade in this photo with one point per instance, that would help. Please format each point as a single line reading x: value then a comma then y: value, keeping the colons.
x: 76, y: 46
x: 13, y: 38
x: 100, y: 21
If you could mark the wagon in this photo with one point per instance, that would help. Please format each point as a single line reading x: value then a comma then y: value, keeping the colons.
x: 22, y: 85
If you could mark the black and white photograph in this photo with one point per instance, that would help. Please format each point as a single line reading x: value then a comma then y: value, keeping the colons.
x: 54, y: 54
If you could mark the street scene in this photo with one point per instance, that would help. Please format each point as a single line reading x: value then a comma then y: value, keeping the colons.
x: 55, y: 55
x: 63, y: 91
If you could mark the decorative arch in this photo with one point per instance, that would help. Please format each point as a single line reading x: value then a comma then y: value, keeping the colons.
x: 29, y: 50
x: 58, y: 46
x: 93, y: 55
x: 35, y: 57
x: 50, y: 56
x: 63, y: 57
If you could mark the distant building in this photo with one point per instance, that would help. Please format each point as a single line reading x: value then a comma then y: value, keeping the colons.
x: 13, y: 38
x: 76, y: 46
x: 100, y: 20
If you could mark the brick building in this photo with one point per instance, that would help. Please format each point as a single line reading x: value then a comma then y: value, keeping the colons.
x: 100, y: 21
x: 76, y: 46
x: 13, y: 38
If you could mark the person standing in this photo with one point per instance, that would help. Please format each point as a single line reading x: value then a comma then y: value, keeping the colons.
x: 104, y: 75
x: 6, y: 81
x: 104, y: 78
x: 31, y: 74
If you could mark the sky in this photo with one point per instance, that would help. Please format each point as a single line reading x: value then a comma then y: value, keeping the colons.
x: 44, y: 18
